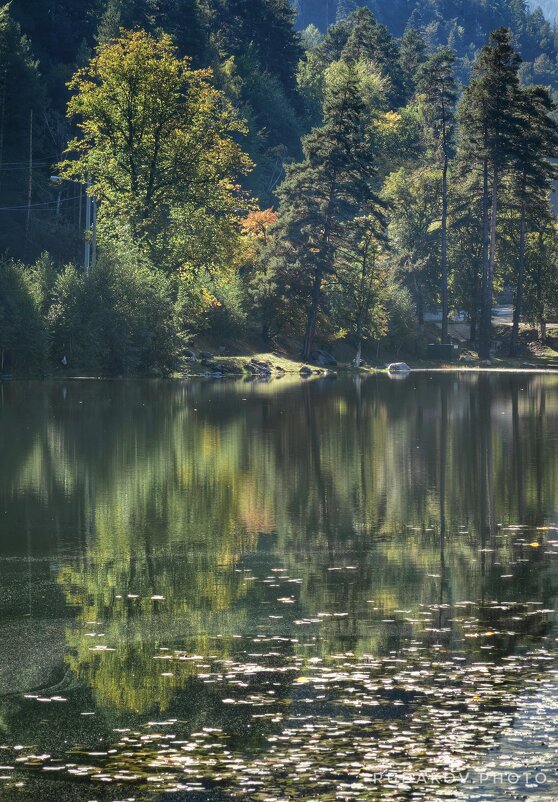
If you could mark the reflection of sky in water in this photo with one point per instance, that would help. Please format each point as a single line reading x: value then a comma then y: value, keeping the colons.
x: 336, y: 590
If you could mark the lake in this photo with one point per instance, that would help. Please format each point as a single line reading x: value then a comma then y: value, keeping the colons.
x: 324, y: 590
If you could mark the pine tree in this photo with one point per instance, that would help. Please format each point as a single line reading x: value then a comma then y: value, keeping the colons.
x: 344, y: 8
x: 436, y: 84
x: 322, y: 194
x: 412, y: 53
x: 371, y: 41
x: 533, y: 174
x: 490, y: 130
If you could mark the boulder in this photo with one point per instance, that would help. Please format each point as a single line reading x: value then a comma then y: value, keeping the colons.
x: 190, y: 356
x: 323, y: 359
x: 305, y: 371
x: 259, y: 367
x: 398, y: 367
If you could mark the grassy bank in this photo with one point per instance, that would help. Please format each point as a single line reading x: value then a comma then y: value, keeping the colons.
x: 246, y: 357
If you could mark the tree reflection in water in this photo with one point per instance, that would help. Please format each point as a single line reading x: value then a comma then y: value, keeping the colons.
x: 274, y: 589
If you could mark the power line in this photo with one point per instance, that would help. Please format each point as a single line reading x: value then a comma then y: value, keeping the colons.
x: 23, y: 166
x: 37, y: 205
x: 45, y: 161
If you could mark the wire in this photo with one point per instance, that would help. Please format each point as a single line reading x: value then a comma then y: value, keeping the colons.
x: 25, y: 167
x: 37, y: 205
x: 23, y: 164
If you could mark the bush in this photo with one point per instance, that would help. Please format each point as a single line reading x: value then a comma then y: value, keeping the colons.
x: 23, y: 334
x: 117, y: 319
x: 211, y: 303
x: 402, y: 326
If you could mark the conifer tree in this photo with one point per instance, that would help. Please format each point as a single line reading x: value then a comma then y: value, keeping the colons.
x: 322, y: 194
x: 412, y: 53
x: 436, y: 85
x: 490, y: 130
x: 344, y: 8
x: 371, y: 41
x: 533, y: 174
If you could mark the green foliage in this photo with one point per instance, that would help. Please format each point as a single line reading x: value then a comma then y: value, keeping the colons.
x: 359, y: 297
x: 437, y: 96
x: 464, y: 27
x: 117, y: 319
x: 350, y: 128
x: 414, y: 199
x: 490, y: 134
x: 154, y: 135
x: 401, y: 316
x: 541, y: 277
x: 23, y: 335
x: 412, y: 53
x: 322, y: 194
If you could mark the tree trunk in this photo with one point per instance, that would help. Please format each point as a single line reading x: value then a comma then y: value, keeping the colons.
x: 484, y: 276
x: 517, y: 309
x: 540, y: 302
x: 312, y: 315
x: 358, y: 356
x: 486, y: 317
x: 420, y: 304
x: 445, y: 336
x: 265, y: 331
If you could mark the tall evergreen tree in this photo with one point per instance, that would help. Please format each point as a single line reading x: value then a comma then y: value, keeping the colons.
x: 490, y: 130
x: 265, y: 25
x: 534, y: 173
x: 371, y: 41
x: 344, y: 8
x: 412, y: 53
x: 322, y: 194
x: 436, y: 84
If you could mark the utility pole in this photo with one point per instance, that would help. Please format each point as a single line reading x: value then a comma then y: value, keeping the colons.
x: 2, y: 121
x: 87, y: 253
x: 94, y: 242
x: 80, y: 203
x: 30, y: 184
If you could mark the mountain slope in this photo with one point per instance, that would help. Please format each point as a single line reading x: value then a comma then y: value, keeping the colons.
x: 549, y: 8
x: 463, y: 24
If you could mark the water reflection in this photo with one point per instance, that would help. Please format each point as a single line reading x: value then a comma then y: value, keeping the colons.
x: 205, y: 584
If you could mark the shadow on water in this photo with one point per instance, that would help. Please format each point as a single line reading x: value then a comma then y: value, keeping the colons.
x: 328, y: 590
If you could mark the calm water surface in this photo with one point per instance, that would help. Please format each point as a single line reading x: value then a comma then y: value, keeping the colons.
x: 334, y: 590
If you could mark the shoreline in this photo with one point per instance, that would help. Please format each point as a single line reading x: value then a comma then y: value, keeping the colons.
x: 313, y: 372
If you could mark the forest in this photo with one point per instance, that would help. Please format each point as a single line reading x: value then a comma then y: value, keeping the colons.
x: 174, y: 170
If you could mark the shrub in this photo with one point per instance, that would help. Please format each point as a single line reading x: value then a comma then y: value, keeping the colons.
x: 117, y: 319
x: 23, y: 334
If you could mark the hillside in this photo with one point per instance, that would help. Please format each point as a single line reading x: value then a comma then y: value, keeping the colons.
x: 549, y: 8
x: 463, y: 24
